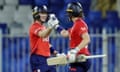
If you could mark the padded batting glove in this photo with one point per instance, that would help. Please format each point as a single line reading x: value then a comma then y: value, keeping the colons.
x: 72, y: 55
x: 53, y: 21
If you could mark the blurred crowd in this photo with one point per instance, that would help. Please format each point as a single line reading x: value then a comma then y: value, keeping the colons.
x: 98, y: 13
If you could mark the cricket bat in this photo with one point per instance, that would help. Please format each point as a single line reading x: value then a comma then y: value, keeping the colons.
x: 63, y: 59
x: 59, y: 60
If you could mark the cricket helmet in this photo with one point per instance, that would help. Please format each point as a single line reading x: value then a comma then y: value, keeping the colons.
x: 74, y: 9
x: 37, y: 10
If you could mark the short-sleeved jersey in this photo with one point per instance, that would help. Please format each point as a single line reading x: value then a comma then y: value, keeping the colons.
x: 38, y: 45
x: 78, y: 28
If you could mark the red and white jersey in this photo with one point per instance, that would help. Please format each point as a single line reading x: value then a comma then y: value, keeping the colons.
x: 75, y: 33
x: 38, y: 45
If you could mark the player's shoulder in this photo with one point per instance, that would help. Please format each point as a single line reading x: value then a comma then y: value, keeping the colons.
x: 35, y: 25
x: 81, y: 22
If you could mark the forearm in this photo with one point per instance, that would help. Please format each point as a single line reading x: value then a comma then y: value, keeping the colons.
x: 45, y: 33
x: 83, y: 44
x: 54, y: 23
x: 62, y: 31
x: 85, y: 41
x: 73, y: 52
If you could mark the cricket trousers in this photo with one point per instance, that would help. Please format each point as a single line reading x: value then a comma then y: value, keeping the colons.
x: 80, y: 66
x: 39, y: 64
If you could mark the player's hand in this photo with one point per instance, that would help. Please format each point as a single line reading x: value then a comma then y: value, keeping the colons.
x: 55, y: 52
x: 81, y: 58
x: 53, y: 21
x: 72, y: 55
x: 74, y: 51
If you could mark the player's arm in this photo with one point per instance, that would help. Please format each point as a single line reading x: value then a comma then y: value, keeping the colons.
x: 62, y: 31
x: 86, y: 39
x: 57, y: 27
x: 38, y: 31
x: 52, y: 23
x: 44, y: 33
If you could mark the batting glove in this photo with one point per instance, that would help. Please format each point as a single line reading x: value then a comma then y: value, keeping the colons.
x: 81, y: 58
x: 72, y: 55
x: 53, y: 21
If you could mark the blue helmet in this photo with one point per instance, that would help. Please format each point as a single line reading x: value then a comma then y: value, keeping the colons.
x: 74, y: 9
x: 37, y: 10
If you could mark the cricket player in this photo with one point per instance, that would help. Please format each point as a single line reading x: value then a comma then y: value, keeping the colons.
x: 39, y: 40
x: 78, y: 36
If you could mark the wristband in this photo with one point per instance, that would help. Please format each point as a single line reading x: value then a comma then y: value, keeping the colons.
x: 52, y: 49
x: 58, y: 28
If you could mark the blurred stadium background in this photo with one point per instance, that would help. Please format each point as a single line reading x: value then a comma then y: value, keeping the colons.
x: 102, y: 17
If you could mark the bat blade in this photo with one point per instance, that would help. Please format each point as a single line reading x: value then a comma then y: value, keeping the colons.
x: 60, y: 60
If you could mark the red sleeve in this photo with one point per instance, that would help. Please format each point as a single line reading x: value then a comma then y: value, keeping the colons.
x: 82, y: 28
x: 35, y: 29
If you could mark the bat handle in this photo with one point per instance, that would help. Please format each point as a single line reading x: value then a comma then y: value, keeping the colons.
x: 81, y: 58
x: 95, y: 56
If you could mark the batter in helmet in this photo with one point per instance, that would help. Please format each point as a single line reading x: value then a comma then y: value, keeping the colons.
x: 74, y: 9
x: 40, y: 13
x: 40, y: 47
x: 78, y: 38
